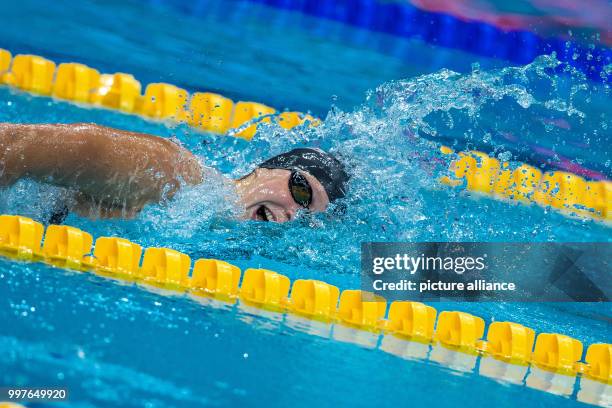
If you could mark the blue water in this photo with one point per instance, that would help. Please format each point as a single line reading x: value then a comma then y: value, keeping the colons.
x: 113, y: 344
x: 288, y: 60
x: 117, y: 345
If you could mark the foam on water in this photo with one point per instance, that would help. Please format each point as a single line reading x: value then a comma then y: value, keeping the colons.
x: 390, y: 143
x: 113, y: 343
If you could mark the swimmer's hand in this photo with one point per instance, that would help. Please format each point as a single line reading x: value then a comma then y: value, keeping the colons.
x: 114, y: 172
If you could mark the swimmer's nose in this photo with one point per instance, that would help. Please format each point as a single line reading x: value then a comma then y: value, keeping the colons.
x: 290, y: 214
x: 291, y: 210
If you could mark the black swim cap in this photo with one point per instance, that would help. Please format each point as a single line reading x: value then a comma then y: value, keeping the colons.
x: 327, y: 169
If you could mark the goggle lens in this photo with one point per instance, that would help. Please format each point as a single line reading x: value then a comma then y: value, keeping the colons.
x: 300, y: 189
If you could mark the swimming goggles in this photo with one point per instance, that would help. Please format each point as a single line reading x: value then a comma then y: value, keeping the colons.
x: 300, y: 189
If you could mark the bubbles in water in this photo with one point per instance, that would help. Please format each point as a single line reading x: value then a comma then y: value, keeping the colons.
x: 390, y: 144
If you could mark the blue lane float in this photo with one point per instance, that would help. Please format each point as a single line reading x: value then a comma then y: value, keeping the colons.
x: 440, y: 29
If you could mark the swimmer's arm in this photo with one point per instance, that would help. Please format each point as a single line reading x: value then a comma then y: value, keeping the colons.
x: 110, y: 167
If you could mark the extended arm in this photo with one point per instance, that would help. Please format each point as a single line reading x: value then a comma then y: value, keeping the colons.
x: 109, y: 167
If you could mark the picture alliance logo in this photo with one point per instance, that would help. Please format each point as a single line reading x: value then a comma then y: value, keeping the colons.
x: 411, y: 264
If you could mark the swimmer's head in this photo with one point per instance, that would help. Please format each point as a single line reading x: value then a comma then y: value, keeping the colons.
x: 303, y: 178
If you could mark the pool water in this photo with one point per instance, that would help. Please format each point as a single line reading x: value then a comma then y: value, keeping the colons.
x: 117, y: 344
x: 249, y: 51
x: 289, y: 60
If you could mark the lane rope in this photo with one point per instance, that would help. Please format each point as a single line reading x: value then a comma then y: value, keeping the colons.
x: 562, y: 191
x: 79, y: 83
x: 402, y: 19
x: 63, y: 246
x: 569, y: 193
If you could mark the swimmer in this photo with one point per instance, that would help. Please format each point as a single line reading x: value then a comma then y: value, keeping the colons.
x: 115, y: 173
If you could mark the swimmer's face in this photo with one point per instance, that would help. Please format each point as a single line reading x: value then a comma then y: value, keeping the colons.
x: 266, y: 197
